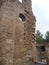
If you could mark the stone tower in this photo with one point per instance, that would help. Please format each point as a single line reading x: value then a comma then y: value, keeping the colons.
x: 17, y: 32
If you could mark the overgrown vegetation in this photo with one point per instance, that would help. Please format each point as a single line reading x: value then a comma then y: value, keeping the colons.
x: 39, y: 37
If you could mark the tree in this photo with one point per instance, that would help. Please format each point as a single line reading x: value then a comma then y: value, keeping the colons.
x: 47, y: 36
x: 39, y: 36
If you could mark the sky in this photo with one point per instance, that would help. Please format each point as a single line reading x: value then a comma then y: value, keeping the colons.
x: 40, y: 9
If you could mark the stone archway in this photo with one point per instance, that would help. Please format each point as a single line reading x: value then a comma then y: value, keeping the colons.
x: 41, y: 53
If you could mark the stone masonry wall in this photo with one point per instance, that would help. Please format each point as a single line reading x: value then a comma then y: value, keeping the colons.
x: 17, y: 33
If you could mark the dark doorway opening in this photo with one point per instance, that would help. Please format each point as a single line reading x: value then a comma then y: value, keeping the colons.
x: 42, y: 48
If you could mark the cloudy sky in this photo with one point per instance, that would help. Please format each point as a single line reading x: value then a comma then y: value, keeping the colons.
x: 41, y: 11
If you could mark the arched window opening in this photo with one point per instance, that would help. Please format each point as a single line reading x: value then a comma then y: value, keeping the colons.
x: 21, y: 17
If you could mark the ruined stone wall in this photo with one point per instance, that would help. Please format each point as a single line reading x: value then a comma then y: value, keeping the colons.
x: 17, y: 33
x: 47, y: 54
